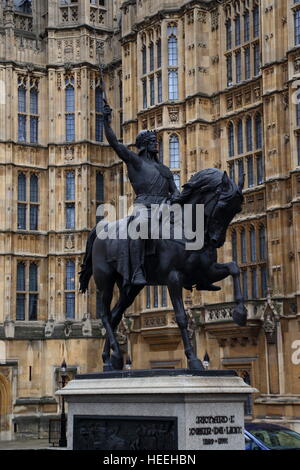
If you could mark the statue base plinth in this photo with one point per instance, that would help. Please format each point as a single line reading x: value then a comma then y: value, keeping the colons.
x: 161, y: 410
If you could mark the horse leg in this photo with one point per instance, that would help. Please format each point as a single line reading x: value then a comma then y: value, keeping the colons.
x: 123, y: 303
x: 175, y: 290
x: 106, y: 294
x: 218, y: 272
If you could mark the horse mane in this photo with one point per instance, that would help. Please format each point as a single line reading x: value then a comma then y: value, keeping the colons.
x: 203, y: 181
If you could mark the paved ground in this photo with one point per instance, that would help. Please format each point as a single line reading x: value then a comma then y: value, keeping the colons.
x: 34, y: 444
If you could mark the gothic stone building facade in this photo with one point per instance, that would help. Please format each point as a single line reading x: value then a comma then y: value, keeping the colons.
x: 218, y: 80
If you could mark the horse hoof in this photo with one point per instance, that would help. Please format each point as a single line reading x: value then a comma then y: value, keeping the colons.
x: 116, y: 362
x: 195, y: 364
x: 107, y: 367
x: 239, y: 315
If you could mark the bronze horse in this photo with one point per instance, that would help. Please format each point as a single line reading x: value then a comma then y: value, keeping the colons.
x: 172, y: 265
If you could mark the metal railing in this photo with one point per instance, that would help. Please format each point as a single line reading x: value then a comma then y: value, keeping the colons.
x: 54, y: 432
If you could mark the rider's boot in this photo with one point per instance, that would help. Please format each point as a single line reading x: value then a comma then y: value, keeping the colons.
x: 137, y: 248
x: 139, y: 278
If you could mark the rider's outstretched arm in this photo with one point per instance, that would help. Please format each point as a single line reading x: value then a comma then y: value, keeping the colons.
x: 123, y: 152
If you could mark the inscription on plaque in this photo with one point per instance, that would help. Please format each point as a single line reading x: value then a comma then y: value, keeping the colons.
x: 215, y: 430
x: 125, y: 433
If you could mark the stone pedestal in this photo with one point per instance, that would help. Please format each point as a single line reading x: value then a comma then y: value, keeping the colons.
x: 156, y: 410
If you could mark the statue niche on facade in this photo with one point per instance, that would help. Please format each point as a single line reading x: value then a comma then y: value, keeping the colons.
x: 132, y: 264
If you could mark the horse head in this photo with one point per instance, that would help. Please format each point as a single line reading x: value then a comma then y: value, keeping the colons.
x: 222, y: 200
x: 228, y: 203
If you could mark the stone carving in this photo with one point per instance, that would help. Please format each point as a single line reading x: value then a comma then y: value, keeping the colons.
x: 49, y: 327
x: 214, y: 20
x: 86, y: 325
x: 69, y: 153
x: 156, y: 321
x: 23, y: 22
x: 201, y: 16
x: 69, y: 242
x: 119, y: 433
x: 297, y: 65
x: 9, y: 327
x: 229, y: 102
x: 173, y: 114
x: 270, y: 327
x: 68, y: 328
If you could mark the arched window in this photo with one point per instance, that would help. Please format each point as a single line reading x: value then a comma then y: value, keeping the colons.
x: 70, y: 196
x: 247, y: 63
x: 151, y: 56
x: 173, y: 84
x: 241, y: 169
x: 254, y: 283
x: 262, y: 243
x: 250, y: 172
x: 22, y: 197
x: 231, y: 140
x: 256, y: 59
x: 34, y: 188
x: 252, y: 244
x: 20, y: 301
x: 234, y: 245
x: 238, y: 30
x: 240, y: 137
x: 249, y: 134
x: 34, y: 199
x: 260, y: 169
x: 243, y: 246
x: 256, y: 21
x: 228, y: 35
x: 174, y: 151
x: 70, y: 110
x: 144, y: 59
x: 258, y: 131
x: 70, y: 290
x: 246, y: 26
x: 33, y: 289
x: 159, y: 88
x: 172, y: 46
x: 33, y: 283
x: 22, y: 113
x: 99, y: 187
x: 229, y: 70
x: 264, y: 281
x: 159, y: 53
x: 34, y: 120
x: 22, y: 187
x: 238, y: 66
x: 70, y: 186
x: 21, y: 277
x: 99, y: 115
x: 245, y: 283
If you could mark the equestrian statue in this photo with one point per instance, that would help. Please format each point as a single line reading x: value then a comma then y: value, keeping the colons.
x: 133, y: 263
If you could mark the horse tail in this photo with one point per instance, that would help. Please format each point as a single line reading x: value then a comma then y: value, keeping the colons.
x: 87, y: 266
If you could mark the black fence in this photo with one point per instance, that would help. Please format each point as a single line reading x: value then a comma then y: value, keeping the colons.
x: 54, y: 432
